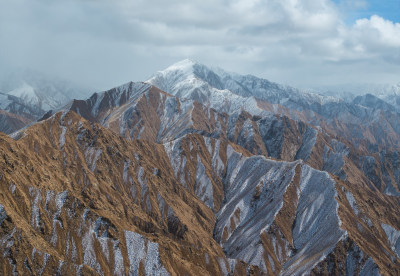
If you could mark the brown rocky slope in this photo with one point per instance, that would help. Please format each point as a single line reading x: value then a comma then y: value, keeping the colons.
x: 78, y: 199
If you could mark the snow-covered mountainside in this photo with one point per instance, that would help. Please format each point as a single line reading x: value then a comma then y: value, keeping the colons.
x: 182, y: 81
x: 40, y: 91
x: 218, y: 88
x: 233, y: 93
x: 17, y: 106
x: 374, y: 102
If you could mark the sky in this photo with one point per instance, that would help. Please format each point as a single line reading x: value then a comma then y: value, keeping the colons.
x: 303, y: 43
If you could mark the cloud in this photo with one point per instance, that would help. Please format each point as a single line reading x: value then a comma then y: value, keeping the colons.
x: 104, y: 43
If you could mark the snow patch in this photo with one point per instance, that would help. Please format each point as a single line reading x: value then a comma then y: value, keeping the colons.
x: 142, y: 250
x: 62, y: 137
x: 393, y: 236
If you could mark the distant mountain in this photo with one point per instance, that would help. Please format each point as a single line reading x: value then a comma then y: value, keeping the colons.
x: 359, y: 89
x: 18, y: 106
x: 387, y: 92
x: 30, y: 94
x: 373, y: 102
x: 41, y: 91
x: 16, y: 113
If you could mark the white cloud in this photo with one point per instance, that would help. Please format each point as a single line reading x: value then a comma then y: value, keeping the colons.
x: 104, y: 43
x: 383, y: 32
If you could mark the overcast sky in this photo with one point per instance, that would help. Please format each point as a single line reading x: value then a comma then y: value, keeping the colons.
x: 298, y: 42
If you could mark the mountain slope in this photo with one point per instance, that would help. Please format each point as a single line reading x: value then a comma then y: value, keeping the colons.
x: 97, y: 201
x: 167, y: 198
x: 139, y: 110
x: 272, y: 211
x: 230, y: 93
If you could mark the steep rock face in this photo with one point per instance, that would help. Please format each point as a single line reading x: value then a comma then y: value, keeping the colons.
x: 257, y: 193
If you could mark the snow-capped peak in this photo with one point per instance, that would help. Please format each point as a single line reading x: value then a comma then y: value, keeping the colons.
x: 26, y: 93
x: 183, y: 68
x: 192, y: 80
x: 189, y: 79
x: 183, y: 65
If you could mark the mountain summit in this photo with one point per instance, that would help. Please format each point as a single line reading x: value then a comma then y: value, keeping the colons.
x: 193, y: 80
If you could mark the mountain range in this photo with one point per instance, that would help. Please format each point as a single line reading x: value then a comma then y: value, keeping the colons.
x: 200, y: 171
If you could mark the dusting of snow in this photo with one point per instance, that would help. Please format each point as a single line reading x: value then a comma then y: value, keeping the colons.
x: 118, y: 259
x: 230, y: 92
x: 203, y: 187
x: 317, y: 221
x: 308, y: 141
x: 26, y: 93
x: 142, y: 250
x: 369, y: 268
x: 255, y: 215
x: 352, y: 201
x: 316, y: 213
x: 393, y: 236
x: 223, y: 266
x: 172, y: 150
x: 3, y: 214
x: 35, y: 210
x: 60, y: 201
x: 89, y: 254
x: 92, y: 155
x: 13, y: 187
x: 62, y: 137
x: 125, y: 172
x: 207, y: 258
